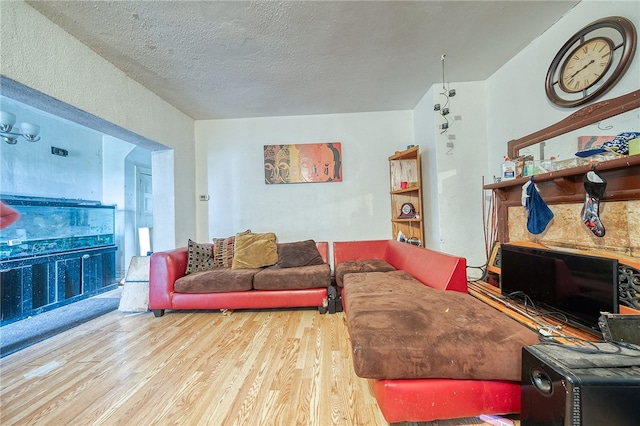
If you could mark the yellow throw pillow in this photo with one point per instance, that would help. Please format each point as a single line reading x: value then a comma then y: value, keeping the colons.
x: 255, y: 250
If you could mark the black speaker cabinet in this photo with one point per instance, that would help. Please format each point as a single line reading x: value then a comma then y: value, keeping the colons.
x: 561, y: 386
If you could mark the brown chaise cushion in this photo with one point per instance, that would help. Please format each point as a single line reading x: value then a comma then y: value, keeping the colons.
x: 218, y: 280
x: 359, y: 266
x: 299, y: 253
x: 402, y: 329
x: 275, y: 278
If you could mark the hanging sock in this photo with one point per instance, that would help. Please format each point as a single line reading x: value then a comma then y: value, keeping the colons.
x: 538, y: 213
x: 594, y: 186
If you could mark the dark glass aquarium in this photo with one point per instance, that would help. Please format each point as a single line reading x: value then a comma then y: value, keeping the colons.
x: 51, y: 225
x: 57, y: 252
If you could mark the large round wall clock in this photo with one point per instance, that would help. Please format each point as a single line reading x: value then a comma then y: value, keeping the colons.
x: 591, y: 62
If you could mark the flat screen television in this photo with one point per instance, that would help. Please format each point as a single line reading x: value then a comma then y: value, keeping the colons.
x: 576, y: 285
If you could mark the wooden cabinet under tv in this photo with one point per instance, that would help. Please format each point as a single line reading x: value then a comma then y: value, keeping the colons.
x: 404, y: 166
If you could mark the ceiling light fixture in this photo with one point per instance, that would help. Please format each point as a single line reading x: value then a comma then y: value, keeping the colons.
x: 444, y: 109
x: 28, y: 131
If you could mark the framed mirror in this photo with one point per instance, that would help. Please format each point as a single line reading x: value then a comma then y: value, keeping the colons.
x: 609, y: 117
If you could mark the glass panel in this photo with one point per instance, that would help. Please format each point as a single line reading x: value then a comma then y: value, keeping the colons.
x: 565, y: 146
x: 53, y: 227
x: 40, y: 290
x: 11, y: 293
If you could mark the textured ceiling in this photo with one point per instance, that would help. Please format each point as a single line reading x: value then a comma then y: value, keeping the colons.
x: 214, y: 59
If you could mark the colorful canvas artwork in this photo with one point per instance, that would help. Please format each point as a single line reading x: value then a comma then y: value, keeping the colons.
x: 303, y: 163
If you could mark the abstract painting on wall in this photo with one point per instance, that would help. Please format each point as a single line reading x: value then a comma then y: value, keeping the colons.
x: 303, y: 163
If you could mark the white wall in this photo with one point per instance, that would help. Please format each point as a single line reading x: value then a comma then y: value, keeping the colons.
x: 114, y: 153
x: 516, y: 100
x: 453, y: 176
x: 424, y: 128
x: 41, y: 56
x: 29, y: 168
x: 230, y: 169
x: 121, y: 159
x: 460, y: 171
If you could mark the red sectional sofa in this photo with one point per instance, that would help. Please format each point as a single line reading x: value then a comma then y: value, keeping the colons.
x: 425, y: 302
x: 305, y: 289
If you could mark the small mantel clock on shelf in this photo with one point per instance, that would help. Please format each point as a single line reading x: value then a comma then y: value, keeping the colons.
x: 591, y: 62
x: 405, y: 179
x: 407, y: 211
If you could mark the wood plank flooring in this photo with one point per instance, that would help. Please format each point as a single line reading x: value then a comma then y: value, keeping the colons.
x: 268, y: 367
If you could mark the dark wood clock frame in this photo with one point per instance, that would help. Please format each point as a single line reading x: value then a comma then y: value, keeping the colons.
x: 627, y: 32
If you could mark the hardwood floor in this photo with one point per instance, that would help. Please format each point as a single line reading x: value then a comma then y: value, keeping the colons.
x: 271, y: 367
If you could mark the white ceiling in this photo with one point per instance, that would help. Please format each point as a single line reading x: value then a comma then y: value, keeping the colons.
x: 236, y: 59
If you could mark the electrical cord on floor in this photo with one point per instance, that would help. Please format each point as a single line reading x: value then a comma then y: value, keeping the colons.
x: 482, y: 268
x: 547, y: 333
x: 538, y: 312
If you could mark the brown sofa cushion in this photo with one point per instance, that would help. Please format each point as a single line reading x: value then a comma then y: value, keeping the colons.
x: 199, y: 257
x: 218, y: 280
x: 402, y: 329
x: 358, y: 266
x: 274, y: 278
x: 299, y: 253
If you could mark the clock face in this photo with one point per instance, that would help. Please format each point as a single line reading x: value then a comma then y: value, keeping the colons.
x: 407, y: 211
x: 586, y: 65
x: 591, y: 62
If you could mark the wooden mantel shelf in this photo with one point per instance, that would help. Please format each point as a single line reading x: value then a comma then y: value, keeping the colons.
x: 567, y: 186
x: 568, y: 182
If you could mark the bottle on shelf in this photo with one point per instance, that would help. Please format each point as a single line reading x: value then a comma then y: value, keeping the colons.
x: 508, y: 169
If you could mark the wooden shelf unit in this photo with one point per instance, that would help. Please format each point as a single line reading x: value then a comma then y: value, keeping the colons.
x: 404, y: 166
